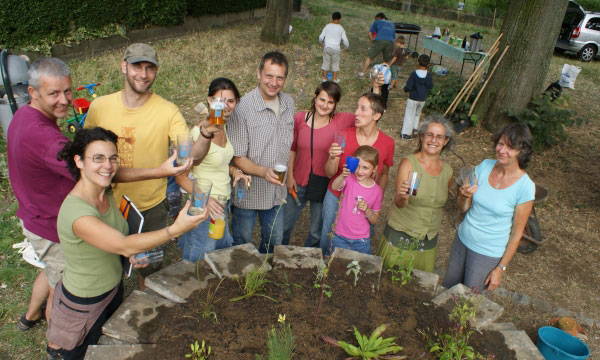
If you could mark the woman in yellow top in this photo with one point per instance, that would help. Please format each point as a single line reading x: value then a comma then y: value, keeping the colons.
x: 414, y: 221
x: 216, y: 167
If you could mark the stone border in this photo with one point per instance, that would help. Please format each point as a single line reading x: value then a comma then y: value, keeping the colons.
x: 542, y: 305
x: 190, y: 24
x: 141, y: 307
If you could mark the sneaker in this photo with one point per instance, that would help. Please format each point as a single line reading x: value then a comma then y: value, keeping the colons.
x: 336, y: 81
x: 323, y: 80
x: 406, y: 137
x: 360, y: 74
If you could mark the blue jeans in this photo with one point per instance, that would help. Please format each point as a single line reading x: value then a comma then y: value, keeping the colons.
x: 271, y: 226
x: 196, y: 242
x: 360, y: 245
x: 330, y: 207
x: 292, y: 213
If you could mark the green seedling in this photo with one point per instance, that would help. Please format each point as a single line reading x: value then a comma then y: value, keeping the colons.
x: 208, y: 306
x: 199, y: 352
x: 287, y: 285
x: 253, y: 285
x: 353, y: 267
x: 372, y: 347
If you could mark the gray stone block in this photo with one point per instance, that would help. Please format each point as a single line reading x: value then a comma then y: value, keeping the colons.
x: 524, y: 348
x: 369, y: 264
x: 584, y: 320
x: 487, y: 310
x: 560, y: 312
x: 235, y: 261
x: 136, y: 310
x: 521, y: 299
x: 541, y: 304
x: 179, y: 280
x: 107, y: 340
x: 114, y: 352
x: 296, y: 257
x: 502, y: 292
x: 428, y: 281
x: 501, y: 326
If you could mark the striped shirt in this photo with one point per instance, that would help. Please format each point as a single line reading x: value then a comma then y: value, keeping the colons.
x: 256, y: 134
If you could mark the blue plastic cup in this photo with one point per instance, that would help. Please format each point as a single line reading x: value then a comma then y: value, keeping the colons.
x: 352, y: 163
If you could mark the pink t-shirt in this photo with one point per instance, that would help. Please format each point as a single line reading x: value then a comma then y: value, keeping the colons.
x: 322, y: 139
x: 384, y: 145
x: 353, y: 224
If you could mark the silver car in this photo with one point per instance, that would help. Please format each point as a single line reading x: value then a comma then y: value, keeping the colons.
x: 580, y: 32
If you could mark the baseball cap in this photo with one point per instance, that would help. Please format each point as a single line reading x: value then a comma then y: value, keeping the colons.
x: 139, y: 52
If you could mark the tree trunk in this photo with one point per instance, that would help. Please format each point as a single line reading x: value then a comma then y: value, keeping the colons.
x: 530, y: 28
x: 277, y: 22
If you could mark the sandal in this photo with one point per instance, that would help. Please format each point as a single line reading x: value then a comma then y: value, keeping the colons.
x: 54, y: 354
x: 25, y: 324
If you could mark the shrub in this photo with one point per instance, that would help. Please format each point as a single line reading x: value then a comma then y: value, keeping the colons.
x: 215, y: 7
x: 443, y: 93
x: 547, y: 120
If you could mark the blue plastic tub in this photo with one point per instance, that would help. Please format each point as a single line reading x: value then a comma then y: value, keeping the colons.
x: 555, y: 344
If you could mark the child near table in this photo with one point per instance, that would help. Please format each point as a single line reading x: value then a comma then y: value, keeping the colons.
x: 360, y: 203
x: 331, y: 36
x: 399, y: 54
x: 418, y: 85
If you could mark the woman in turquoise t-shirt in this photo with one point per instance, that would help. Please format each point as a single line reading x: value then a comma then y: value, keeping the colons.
x: 498, y: 203
x: 93, y: 234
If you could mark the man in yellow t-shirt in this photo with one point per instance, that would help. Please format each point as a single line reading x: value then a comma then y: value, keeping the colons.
x: 145, y: 123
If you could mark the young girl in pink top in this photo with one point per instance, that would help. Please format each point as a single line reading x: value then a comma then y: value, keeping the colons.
x: 360, y: 203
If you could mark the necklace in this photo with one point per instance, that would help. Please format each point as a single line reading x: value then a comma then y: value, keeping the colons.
x: 501, y: 179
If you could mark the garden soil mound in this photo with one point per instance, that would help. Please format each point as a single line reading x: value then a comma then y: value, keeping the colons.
x: 242, y: 327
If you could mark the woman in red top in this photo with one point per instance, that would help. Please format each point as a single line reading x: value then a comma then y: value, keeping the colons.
x: 369, y: 110
x: 322, y: 121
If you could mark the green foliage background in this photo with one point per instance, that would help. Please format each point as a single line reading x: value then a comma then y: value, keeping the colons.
x: 34, y: 23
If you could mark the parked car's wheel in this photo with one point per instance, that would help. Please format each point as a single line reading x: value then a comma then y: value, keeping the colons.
x: 587, y: 53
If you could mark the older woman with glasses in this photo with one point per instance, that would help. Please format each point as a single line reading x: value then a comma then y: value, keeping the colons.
x: 414, y: 221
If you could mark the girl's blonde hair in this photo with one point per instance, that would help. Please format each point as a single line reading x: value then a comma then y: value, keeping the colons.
x: 368, y: 154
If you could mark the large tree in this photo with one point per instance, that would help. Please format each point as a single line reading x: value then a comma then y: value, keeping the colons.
x: 277, y: 22
x: 531, y: 28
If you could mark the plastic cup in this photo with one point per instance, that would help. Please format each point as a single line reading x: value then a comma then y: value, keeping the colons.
x: 467, y: 176
x: 240, y: 189
x: 184, y: 148
x: 200, y: 193
x: 339, y: 137
x: 280, y: 170
x: 374, y: 71
x: 216, y: 227
x: 414, y: 178
x: 217, y: 109
x: 352, y: 163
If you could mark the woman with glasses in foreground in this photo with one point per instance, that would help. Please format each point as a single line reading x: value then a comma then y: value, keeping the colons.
x: 93, y: 235
x: 415, y: 219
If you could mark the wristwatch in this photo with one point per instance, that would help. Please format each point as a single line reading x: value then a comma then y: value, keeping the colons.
x: 501, y: 267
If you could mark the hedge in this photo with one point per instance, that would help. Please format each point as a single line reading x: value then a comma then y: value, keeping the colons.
x: 31, y: 22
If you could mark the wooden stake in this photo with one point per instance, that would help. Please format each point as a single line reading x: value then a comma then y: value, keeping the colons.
x: 473, y: 80
x: 478, y: 78
x: 488, y: 80
x: 476, y: 69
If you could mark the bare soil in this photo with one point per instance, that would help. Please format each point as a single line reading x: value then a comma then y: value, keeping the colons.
x: 242, y: 326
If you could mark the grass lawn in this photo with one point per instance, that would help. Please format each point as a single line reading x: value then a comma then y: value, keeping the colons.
x: 561, y: 272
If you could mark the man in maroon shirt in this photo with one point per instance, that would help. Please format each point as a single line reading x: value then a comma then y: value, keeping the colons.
x: 40, y: 182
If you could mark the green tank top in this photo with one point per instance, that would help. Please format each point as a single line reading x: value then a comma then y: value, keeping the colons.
x: 89, y: 271
x: 423, y: 213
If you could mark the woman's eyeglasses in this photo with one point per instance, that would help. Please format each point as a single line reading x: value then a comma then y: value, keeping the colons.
x: 100, y: 158
x: 433, y: 136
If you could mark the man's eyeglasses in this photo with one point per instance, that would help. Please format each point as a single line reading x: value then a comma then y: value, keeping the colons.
x: 433, y: 136
x: 100, y: 158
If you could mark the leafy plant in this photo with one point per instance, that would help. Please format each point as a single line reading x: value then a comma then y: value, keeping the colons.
x: 208, y: 306
x: 353, y: 267
x: 280, y: 341
x: 455, y: 345
x: 404, y: 260
x: 287, y: 285
x: 443, y: 93
x: 547, y: 120
x: 253, y: 285
x: 321, y: 283
x: 373, y: 347
x: 199, y: 352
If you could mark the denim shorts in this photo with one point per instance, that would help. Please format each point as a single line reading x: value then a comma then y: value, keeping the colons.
x: 360, y: 245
